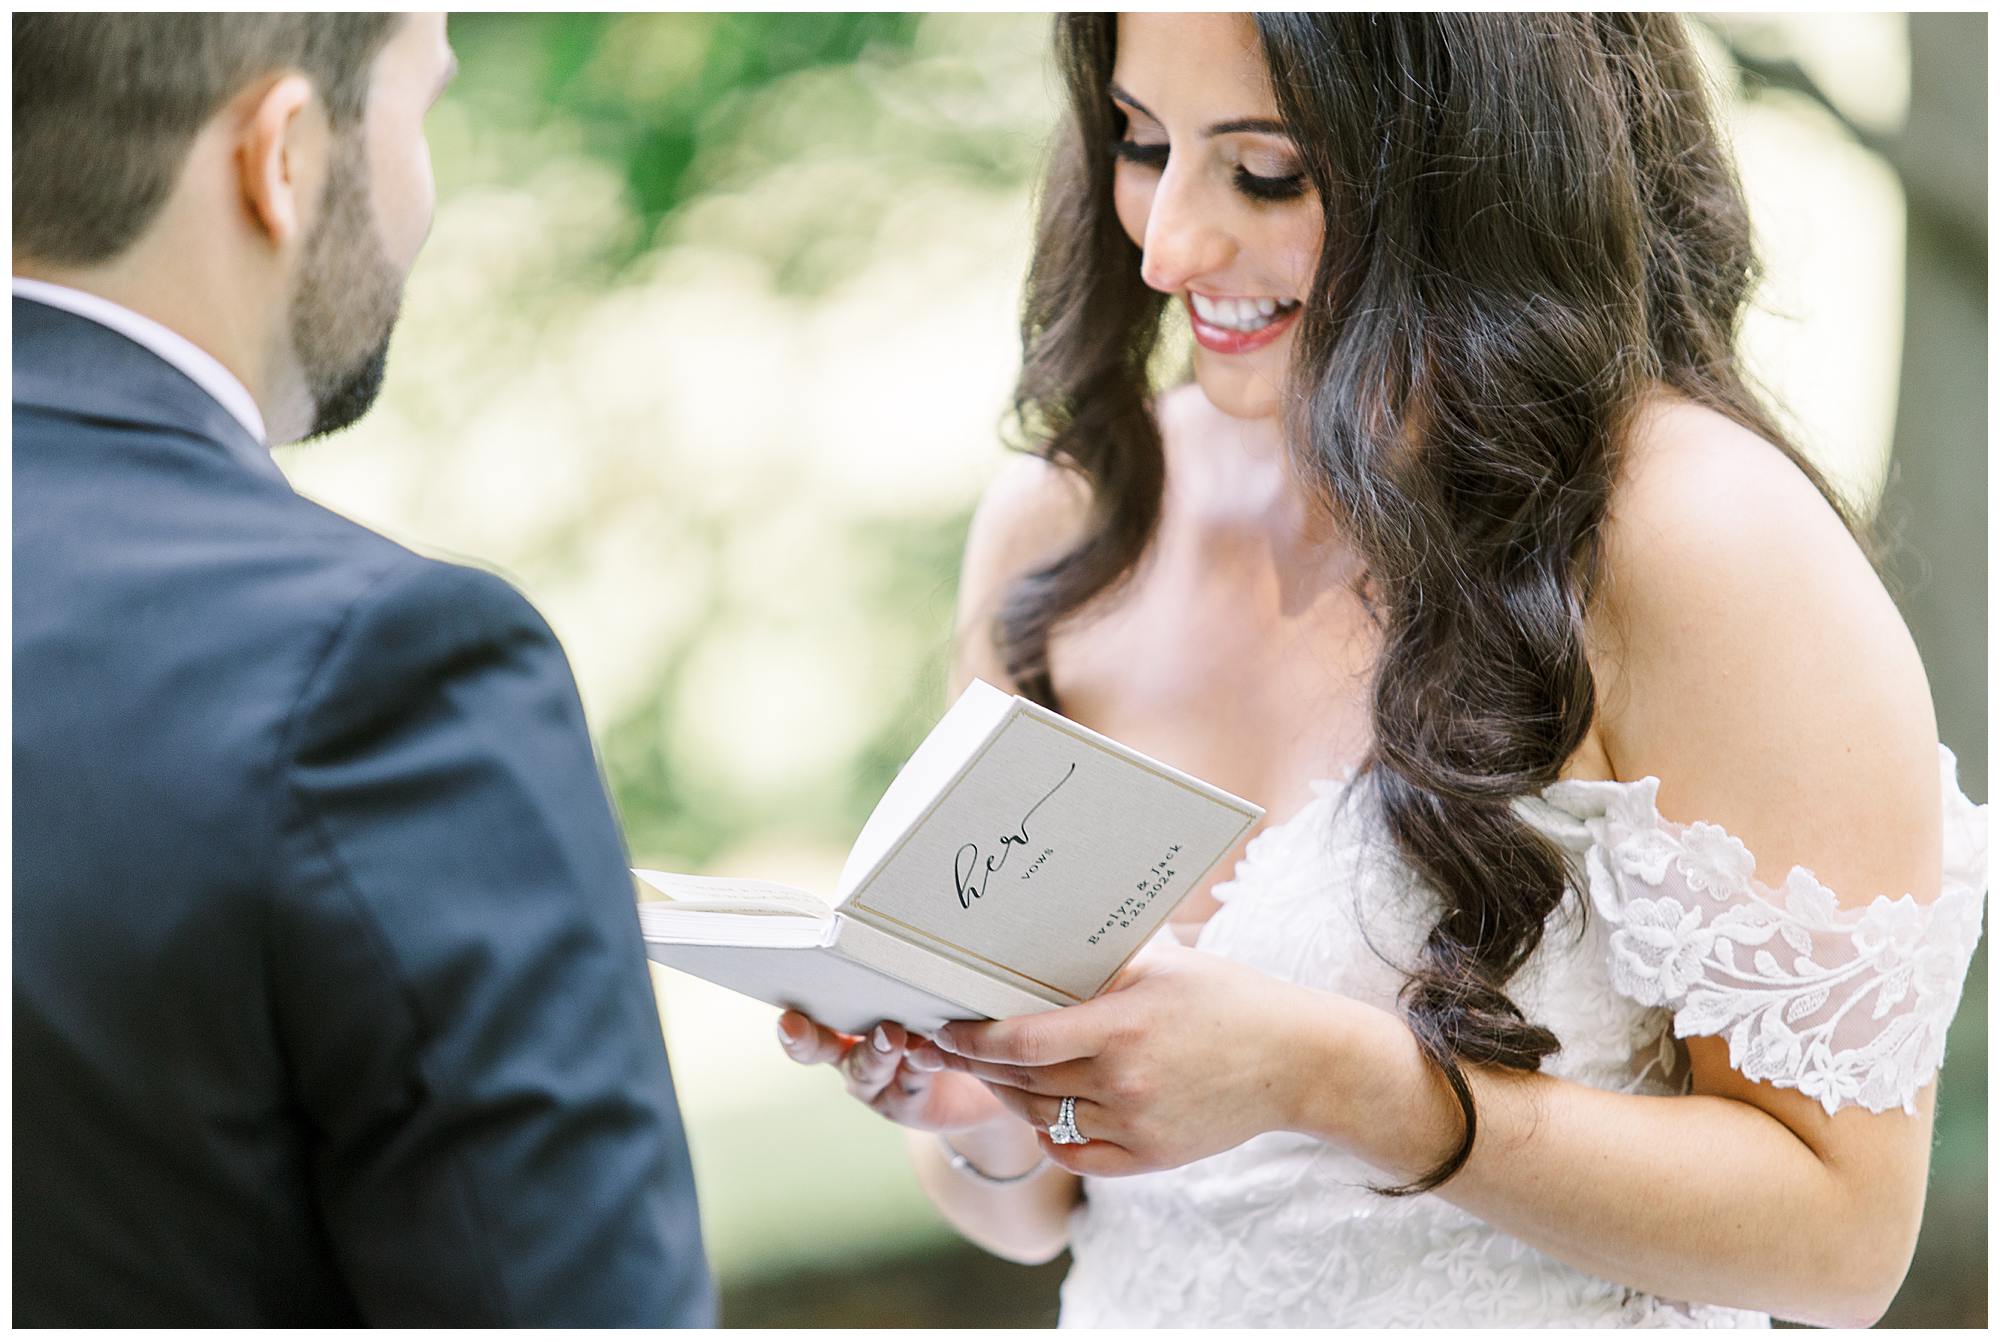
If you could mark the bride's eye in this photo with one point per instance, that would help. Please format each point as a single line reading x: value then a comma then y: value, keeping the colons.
x: 1152, y: 156
x: 1258, y: 187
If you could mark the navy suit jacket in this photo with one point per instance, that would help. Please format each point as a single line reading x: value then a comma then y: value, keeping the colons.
x: 329, y: 999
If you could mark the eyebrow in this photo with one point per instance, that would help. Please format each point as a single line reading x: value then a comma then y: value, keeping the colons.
x: 1249, y: 125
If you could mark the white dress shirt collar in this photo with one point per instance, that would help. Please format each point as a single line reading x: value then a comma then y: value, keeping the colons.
x: 200, y: 367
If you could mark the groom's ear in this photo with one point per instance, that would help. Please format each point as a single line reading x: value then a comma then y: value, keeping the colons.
x: 281, y: 158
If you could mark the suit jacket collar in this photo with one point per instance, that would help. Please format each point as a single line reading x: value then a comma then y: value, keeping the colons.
x: 76, y: 367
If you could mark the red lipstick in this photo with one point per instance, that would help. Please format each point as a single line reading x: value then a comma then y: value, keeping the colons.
x: 1222, y: 340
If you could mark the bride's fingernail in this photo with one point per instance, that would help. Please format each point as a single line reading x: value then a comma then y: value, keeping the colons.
x: 943, y: 1039
x: 880, y: 1038
x: 787, y: 1031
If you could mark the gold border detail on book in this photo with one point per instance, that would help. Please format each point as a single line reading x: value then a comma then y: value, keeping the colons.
x: 1022, y: 709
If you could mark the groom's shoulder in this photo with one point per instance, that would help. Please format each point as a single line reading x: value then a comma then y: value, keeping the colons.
x: 353, y: 621
x: 388, y: 613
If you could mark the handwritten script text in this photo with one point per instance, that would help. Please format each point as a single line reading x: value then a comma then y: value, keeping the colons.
x: 970, y: 873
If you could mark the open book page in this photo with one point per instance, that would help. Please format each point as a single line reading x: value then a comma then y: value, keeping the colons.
x: 865, y: 977
x: 706, y: 910
x: 709, y: 893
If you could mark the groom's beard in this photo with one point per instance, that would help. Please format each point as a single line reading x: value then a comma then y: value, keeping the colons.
x: 347, y: 299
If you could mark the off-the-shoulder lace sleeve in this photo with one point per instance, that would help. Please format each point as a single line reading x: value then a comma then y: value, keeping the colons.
x: 1844, y: 1005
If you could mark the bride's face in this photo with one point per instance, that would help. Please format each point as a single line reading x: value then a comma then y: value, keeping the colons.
x: 1210, y: 187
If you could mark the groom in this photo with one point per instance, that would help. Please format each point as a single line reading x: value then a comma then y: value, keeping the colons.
x: 329, y: 1000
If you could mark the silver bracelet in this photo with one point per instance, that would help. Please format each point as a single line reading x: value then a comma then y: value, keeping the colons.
x: 955, y: 1160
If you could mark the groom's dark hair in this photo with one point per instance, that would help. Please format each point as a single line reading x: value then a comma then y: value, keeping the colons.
x: 107, y: 105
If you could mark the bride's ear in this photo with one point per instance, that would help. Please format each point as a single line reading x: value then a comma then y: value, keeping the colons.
x: 281, y: 159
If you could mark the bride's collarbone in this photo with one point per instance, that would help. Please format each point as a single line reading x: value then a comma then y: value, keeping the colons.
x: 1259, y: 711
x: 1263, y: 748
x: 1235, y: 626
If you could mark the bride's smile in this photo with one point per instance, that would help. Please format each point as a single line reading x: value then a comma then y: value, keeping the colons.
x: 1238, y: 325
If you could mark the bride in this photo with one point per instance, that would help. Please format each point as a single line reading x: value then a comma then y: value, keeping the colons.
x: 1597, y: 966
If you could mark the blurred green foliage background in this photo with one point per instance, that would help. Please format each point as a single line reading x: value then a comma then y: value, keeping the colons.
x: 710, y: 352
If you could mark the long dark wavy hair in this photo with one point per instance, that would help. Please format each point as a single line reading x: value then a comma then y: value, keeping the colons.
x: 1530, y: 221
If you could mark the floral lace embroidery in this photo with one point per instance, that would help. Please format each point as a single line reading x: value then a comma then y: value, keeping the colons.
x: 1282, y: 1231
x: 1845, y: 1005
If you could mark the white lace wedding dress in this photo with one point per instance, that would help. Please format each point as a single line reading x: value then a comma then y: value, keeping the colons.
x: 1847, y: 1006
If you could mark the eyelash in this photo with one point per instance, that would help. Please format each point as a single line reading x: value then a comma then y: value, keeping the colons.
x: 1256, y: 187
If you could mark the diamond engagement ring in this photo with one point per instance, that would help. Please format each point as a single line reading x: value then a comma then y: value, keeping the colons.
x: 1063, y: 1130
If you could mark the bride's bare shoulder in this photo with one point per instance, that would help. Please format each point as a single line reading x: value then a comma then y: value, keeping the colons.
x: 1710, y: 520
x: 1031, y: 513
x: 1752, y: 658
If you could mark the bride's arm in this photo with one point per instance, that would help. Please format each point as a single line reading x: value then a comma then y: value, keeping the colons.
x: 1023, y: 1219
x: 1764, y: 675
x: 1002, y: 1195
x: 1766, y: 678
x: 1711, y: 1197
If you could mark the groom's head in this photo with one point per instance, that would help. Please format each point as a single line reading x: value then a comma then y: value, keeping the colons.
x: 259, y: 182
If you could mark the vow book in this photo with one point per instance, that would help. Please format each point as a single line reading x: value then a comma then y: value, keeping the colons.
x: 1014, y: 865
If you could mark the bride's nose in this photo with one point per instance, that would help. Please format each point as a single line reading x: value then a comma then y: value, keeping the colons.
x: 1183, y: 239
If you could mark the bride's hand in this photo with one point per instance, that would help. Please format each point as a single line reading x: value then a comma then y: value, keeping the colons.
x: 1187, y: 1055
x: 877, y: 1070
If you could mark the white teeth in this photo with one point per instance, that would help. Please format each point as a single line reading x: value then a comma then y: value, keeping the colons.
x: 1237, y: 314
